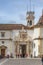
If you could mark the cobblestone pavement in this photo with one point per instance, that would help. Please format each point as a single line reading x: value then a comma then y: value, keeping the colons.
x: 22, y: 62
x: 1, y: 60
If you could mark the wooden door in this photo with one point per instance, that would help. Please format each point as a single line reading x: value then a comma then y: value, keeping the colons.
x: 23, y: 47
x: 3, y: 52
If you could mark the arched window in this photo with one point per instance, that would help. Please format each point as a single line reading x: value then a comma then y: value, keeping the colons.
x: 30, y: 22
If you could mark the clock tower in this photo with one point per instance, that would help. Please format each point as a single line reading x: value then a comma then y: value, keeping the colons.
x: 30, y: 18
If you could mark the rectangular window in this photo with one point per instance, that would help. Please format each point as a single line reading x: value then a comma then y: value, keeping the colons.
x: 2, y: 34
x: 2, y: 42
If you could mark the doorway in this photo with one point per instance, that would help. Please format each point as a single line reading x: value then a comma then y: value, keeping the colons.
x: 3, y: 52
x: 23, y: 50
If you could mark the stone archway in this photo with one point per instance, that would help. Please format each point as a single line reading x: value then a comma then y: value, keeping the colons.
x: 3, y: 49
x: 22, y: 50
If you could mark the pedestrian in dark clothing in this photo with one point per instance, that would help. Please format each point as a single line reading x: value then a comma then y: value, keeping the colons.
x: 42, y: 59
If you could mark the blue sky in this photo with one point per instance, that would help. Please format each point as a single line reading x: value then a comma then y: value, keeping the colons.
x: 14, y: 11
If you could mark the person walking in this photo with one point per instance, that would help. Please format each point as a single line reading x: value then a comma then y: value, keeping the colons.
x: 42, y: 59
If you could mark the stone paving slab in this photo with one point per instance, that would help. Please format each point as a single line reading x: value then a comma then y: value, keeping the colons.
x: 1, y: 60
x: 23, y: 62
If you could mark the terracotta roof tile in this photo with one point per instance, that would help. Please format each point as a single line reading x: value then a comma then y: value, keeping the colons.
x: 13, y: 26
x: 40, y: 22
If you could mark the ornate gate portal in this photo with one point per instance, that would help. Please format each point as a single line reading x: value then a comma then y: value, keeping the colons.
x: 23, y: 45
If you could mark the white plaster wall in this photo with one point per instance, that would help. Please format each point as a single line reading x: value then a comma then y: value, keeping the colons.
x: 14, y: 33
x: 36, y: 50
x: 9, y: 45
x: 36, y: 33
x: 41, y: 46
x: 30, y: 33
x: 7, y: 34
x: 36, y: 42
x: 41, y: 32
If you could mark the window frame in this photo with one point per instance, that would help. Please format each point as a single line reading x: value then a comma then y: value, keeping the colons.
x: 30, y: 22
x: 2, y: 42
x: 2, y: 34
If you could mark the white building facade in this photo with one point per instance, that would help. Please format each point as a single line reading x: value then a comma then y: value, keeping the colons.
x: 20, y: 40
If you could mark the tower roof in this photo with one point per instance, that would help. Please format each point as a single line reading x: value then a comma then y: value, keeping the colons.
x: 30, y: 12
x: 40, y: 22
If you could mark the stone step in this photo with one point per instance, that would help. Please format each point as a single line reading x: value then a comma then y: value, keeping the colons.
x: 23, y: 62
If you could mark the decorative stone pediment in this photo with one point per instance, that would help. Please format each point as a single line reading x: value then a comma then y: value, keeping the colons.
x: 23, y: 36
x: 3, y: 47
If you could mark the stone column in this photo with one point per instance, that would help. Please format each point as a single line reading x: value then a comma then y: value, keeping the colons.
x: 0, y: 51
x: 27, y: 50
x: 18, y: 50
x: 14, y: 51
